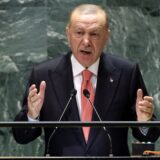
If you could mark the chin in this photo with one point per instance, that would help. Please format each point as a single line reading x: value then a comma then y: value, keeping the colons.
x: 85, y: 61
x: 86, y: 65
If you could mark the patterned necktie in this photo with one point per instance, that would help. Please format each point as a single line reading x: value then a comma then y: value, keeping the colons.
x: 86, y: 106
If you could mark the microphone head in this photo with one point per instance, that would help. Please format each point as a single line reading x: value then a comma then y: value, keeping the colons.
x: 73, y: 92
x: 86, y: 93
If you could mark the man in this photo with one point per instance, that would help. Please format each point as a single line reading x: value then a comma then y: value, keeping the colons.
x: 115, y: 86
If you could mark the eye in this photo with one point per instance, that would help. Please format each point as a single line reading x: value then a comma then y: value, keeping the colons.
x: 79, y: 32
x: 94, y: 34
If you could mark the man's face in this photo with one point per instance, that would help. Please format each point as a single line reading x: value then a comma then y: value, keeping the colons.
x: 87, y: 36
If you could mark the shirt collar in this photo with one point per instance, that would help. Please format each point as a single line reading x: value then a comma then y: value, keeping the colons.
x: 78, y: 68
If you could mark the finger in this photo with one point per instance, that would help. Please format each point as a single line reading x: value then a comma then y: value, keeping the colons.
x: 145, y: 109
x: 139, y: 95
x: 32, y: 93
x: 145, y: 103
x: 32, y: 87
x: 30, y: 96
x: 148, y: 98
x: 42, y: 89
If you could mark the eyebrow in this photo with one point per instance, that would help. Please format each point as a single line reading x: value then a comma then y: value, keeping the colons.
x: 94, y: 29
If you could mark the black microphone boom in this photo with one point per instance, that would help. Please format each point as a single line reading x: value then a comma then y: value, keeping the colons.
x: 73, y: 93
x: 87, y: 95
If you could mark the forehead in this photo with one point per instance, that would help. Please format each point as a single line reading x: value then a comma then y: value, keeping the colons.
x: 90, y: 21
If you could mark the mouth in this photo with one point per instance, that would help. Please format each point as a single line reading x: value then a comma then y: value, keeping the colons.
x: 85, y: 52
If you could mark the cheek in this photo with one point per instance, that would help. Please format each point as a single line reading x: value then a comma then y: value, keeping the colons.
x: 75, y: 43
x: 74, y: 46
x: 97, y: 46
x: 100, y: 45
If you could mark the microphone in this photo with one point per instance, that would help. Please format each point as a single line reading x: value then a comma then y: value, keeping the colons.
x: 87, y: 95
x: 72, y: 94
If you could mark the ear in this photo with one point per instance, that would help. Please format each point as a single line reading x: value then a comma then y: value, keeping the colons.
x: 68, y: 33
x: 107, y: 34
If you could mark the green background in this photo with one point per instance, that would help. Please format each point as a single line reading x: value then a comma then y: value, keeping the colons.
x: 32, y: 31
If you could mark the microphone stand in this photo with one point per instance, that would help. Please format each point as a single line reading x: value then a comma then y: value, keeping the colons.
x: 87, y: 95
x: 73, y: 93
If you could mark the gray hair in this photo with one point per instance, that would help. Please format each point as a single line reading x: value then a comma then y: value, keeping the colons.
x: 87, y: 9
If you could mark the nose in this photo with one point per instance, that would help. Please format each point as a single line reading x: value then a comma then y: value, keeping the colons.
x: 86, y: 40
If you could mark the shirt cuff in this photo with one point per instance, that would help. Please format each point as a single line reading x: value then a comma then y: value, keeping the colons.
x: 33, y: 120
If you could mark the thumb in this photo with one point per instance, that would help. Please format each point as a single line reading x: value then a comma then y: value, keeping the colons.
x: 42, y: 89
x: 139, y: 95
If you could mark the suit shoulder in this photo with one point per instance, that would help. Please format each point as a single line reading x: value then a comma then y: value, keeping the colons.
x: 121, y: 62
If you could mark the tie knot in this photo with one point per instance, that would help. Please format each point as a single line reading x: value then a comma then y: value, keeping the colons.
x: 86, y: 75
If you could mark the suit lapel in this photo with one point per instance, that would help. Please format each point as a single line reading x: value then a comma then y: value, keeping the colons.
x: 107, y: 82
x: 62, y: 81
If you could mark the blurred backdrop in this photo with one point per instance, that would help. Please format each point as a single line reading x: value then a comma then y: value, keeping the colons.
x: 32, y: 31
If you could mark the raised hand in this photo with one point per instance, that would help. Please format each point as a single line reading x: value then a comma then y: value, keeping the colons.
x: 144, y: 106
x: 36, y: 99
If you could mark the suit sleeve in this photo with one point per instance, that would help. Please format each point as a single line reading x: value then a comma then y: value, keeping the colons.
x: 136, y: 83
x: 24, y: 134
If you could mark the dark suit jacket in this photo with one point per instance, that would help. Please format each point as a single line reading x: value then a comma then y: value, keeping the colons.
x: 114, y: 100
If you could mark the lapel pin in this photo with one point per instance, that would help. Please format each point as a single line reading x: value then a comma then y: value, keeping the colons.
x: 111, y: 80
